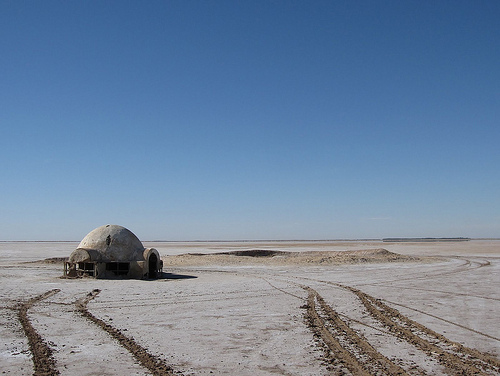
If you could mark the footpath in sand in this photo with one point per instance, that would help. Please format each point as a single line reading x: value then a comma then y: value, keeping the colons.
x: 296, y: 308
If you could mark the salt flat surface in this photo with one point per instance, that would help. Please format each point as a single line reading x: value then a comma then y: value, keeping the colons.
x: 249, y: 319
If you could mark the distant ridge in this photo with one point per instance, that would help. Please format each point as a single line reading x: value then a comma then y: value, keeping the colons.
x: 399, y: 240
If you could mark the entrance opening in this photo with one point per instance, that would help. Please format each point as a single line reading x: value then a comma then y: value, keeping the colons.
x: 153, y: 265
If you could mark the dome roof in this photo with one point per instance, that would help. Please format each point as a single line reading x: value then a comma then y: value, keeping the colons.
x: 111, y: 243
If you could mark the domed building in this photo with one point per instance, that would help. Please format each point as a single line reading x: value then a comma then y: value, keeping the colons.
x: 112, y: 251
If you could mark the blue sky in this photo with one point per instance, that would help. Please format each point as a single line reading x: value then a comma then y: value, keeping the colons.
x: 187, y: 120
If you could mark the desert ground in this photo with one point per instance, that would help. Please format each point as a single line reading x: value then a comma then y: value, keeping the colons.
x: 257, y: 308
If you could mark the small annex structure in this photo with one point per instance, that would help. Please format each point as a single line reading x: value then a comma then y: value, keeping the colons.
x: 112, y: 251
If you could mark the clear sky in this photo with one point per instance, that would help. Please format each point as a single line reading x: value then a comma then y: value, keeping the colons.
x: 187, y: 120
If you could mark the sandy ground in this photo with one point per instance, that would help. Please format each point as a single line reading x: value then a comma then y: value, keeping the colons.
x: 328, y: 308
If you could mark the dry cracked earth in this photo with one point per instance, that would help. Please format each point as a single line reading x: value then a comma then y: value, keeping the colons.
x: 258, y: 309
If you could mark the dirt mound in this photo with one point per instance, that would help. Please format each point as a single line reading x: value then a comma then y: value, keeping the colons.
x: 50, y: 260
x: 272, y: 257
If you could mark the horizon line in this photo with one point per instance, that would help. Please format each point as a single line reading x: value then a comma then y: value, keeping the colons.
x: 393, y: 239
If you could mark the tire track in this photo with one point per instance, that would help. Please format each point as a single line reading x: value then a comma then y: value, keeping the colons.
x: 444, y: 320
x: 453, y: 355
x: 350, y: 319
x: 466, y: 266
x: 431, y: 290
x: 160, y: 302
x: 43, y: 360
x: 347, y: 349
x: 407, y: 307
x: 154, y: 364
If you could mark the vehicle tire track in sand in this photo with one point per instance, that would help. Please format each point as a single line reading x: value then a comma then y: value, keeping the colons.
x: 453, y: 355
x: 414, y: 309
x: 340, y: 314
x: 43, y: 360
x: 466, y: 266
x: 155, y: 365
x: 431, y: 290
x: 444, y: 320
x: 347, y: 349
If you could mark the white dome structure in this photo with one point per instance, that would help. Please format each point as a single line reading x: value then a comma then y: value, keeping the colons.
x: 112, y: 251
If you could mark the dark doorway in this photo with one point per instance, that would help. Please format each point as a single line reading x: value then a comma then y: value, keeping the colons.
x: 153, y: 265
x: 118, y: 268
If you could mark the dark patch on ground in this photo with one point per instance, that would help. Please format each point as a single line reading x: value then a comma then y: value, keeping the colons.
x: 248, y: 253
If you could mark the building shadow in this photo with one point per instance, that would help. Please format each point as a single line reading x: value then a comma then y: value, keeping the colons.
x: 164, y: 275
